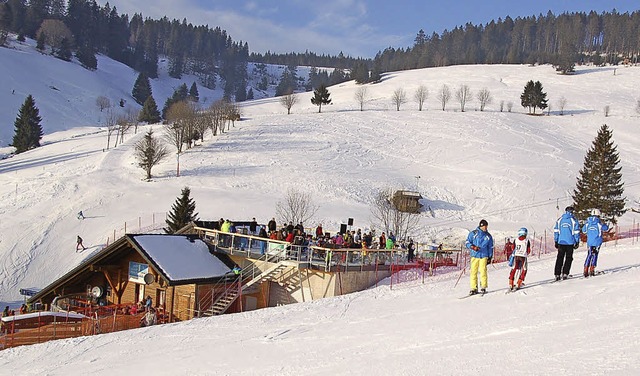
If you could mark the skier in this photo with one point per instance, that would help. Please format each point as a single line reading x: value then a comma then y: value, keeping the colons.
x: 80, y: 215
x: 566, y: 235
x: 594, y: 229
x: 520, y: 252
x: 79, y: 244
x: 480, y: 244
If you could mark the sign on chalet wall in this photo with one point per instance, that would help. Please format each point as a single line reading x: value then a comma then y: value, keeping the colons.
x: 137, y: 271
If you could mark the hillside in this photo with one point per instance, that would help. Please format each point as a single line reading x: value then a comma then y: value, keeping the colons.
x: 512, y: 169
x: 66, y: 93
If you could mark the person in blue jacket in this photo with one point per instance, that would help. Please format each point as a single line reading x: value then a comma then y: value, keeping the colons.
x: 566, y: 235
x: 594, y: 229
x: 480, y: 244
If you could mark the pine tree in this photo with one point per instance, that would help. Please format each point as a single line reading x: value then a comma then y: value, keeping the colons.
x: 28, y: 131
x: 193, y: 93
x: 182, y: 212
x: 320, y: 97
x: 599, y: 185
x: 64, y: 51
x: 141, y: 89
x: 149, y: 113
x: 149, y: 152
x: 87, y: 57
x: 241, y: 93
x: 288, y: 82
x: 40, y: 43
x: 533, y: 96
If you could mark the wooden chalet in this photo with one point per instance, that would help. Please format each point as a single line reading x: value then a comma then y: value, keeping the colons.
x: 175, y: 270
x: 407, y: 201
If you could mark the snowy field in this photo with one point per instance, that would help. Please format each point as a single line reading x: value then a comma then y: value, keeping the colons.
x: 512, y: 169
x: 574, y: 327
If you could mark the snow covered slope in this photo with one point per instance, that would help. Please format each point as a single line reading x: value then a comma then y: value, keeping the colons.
x: 574, y: 327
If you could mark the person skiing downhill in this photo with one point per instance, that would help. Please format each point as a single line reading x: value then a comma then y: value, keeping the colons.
x: 519, y: 262
x: 480, y: 244
x: 566, y: 235
x: 594, y: 229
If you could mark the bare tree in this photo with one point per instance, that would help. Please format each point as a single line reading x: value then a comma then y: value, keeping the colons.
x: 562, y: 103
x: 175, y: 129
x: 501, y: 106
x: 102, y: 102
x: 509, y: 106
x: 421, y: 95
x: 123, y: 126
x: 288, y: 101
x: 444, y: 95
x: 361, y: 95
x: 111, y: 122
x: 55, y: 31
x: 463, y: 95
x: 132, y: 115
x: 607, y: 109
x: 390, y: 218
x: 149, y: 152
x: 233, y: 113
x: 217, y: 115
x: 296, y: 207
x: 484, y: 97
x: 202, y: 122
x: 399, y: 97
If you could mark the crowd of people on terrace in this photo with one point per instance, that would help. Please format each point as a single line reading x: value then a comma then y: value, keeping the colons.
x: 299, y: 236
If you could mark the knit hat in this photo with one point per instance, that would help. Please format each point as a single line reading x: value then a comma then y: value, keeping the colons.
x: 482, y: 223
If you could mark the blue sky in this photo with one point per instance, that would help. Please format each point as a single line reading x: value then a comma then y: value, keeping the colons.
x: 354, y: 27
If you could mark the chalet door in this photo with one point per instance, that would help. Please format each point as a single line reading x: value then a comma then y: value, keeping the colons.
x: 139, y: 293
x: 160, y: 298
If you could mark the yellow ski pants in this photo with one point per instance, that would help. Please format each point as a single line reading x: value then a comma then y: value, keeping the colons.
x: 478, y: 264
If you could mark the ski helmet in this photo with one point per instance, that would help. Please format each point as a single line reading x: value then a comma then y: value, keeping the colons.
x: 523, y: 231
x: 595, y: 212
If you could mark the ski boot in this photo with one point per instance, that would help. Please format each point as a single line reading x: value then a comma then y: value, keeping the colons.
x: 519, y: 285
x: 565, y: 276
x: 483, y: 291
x: 511, y: 285
x: 473, y: 292
x: 586, y: 271
x: 592, y: 271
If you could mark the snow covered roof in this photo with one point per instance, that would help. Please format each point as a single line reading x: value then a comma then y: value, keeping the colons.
x: 181, y: 257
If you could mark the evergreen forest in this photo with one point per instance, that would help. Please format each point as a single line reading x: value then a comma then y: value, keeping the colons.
x: 85, y: 28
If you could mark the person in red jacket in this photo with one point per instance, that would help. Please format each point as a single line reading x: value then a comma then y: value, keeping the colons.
x: 508, y: 248
x: 522, y: 248
x: 289, y: 238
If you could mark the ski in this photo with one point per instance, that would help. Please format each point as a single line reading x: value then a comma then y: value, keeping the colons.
x: 476, y: 294
x: 596, y: 274
x: 570, y: 276
x: 516, y: 290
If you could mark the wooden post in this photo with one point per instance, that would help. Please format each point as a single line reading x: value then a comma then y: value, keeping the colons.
x: 173, y: 302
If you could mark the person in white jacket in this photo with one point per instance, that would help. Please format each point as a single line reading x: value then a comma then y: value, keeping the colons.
x: 518, y: 259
